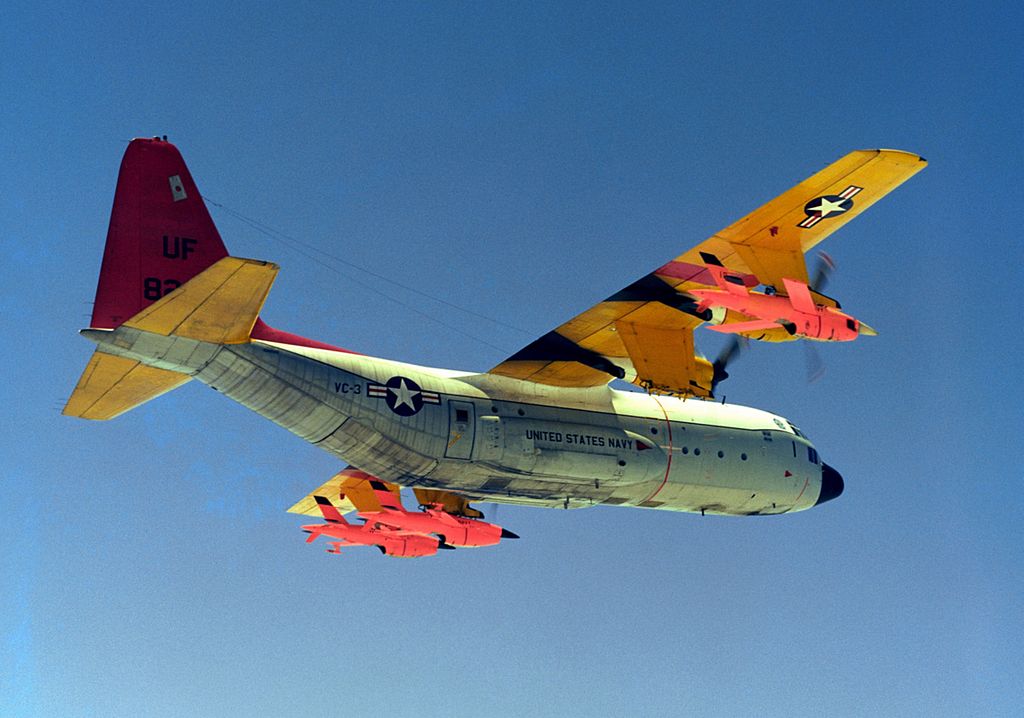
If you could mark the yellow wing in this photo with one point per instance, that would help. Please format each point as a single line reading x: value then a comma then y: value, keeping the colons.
x: 354, y: 490
x: 348, y: 490
x: 647, y: 328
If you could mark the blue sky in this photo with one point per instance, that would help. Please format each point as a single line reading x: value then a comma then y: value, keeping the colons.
x: 522, y: 161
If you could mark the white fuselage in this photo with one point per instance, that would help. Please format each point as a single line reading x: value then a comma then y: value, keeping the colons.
x: 501, y: 439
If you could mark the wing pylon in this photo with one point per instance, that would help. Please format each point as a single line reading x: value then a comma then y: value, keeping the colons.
x: 387, y: 525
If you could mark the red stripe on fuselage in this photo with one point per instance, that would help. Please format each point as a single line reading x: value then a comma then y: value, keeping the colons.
x: 668, y: 465
x: 267, y: 333
x: 806, y: 482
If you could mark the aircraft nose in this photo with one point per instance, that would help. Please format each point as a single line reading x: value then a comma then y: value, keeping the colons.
x: 864, y: 329
x: 831, y: 484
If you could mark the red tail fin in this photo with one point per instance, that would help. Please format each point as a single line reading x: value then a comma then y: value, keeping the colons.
x: 329, y: 510
x: 161, y: 234
x: 800, y: 296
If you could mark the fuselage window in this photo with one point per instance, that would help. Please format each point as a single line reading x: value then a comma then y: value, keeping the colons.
x: 686, y: 450
x: 743, y: 457
x: 696, y: 452
x: 721, y: 454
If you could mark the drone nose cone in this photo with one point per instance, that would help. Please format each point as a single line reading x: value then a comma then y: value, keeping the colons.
x: 867, y: 331
x: 505, y: 533
x: 831, y: 484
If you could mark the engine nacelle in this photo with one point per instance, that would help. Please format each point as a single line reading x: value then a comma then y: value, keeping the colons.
x: 408, y: 546
x: 721, y: 315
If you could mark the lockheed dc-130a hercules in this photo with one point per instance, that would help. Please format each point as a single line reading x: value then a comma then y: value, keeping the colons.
x: 545, y: 427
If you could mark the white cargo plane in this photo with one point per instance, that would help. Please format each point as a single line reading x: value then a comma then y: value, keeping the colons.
x: 543, y: 428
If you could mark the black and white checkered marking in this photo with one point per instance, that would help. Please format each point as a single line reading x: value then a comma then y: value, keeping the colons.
x: 828, y: 206
x: 403, y: 396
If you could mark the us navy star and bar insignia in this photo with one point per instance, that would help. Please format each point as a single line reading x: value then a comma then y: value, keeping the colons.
x: 403, y: 396
x: 828, y: 206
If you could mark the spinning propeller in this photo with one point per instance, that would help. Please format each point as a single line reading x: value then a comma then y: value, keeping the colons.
x: 729, y: 354
x: 823, y: 268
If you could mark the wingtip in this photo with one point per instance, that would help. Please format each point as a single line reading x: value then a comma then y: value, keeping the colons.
x: 905, y: 155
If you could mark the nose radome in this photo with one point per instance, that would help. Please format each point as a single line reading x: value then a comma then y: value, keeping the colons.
x: 831, y: 484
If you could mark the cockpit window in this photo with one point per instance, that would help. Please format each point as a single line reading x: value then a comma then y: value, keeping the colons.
x: 812, y: 455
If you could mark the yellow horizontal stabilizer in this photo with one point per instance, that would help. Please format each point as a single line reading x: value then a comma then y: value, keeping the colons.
x: 111, y: 385
x: 219, y: 305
